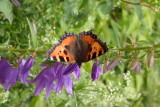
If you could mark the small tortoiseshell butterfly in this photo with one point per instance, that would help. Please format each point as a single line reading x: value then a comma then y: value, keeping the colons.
x: 79, y: 48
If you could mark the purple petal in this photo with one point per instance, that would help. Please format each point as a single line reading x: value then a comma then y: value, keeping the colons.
x: 46, y: 71
x: 49, y: 88
x: 11, y: 78
x: 8, y: 75
x: 69, y: 84
x: 96, y: 71
x: 21, y: 63
x: 59, y: 80
x: 40, y: 86
x: 3, y: 64
x: 16, y: 3
x: 112, y: 64
x: 77, y: 73
x: 26, y: 68
x: 70, y: 69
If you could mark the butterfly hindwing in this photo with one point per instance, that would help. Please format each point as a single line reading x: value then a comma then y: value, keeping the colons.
x: 60, y: 52
x: 96, y: 46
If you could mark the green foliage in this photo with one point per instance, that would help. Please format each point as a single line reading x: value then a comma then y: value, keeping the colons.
x: 118, y: 23
x: 6, y: 8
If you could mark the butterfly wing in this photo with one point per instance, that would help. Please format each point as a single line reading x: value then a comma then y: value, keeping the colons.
x: 96, y: 46
x: 60, y: 51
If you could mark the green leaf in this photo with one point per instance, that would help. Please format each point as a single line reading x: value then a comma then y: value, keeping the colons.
x: 134, y: 25
x: 70, y: 9
x: 115, y: 37
x: 139, y: 11
x: 6, y: 9
x: 106, y: 6
x: 139, y: 82
x: 33, y: 36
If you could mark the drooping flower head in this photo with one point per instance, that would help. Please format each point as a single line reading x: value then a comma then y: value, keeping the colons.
x: 9, y: 74
x: 96, y: 71
x: 54, y: 78
x: 24, y: 73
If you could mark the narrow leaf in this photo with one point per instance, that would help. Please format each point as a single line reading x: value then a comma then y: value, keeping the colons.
x: 33, y: 36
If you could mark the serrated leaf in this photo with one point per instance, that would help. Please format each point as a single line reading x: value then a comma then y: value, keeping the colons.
x: 33, y: 36
x: 106, y: 6
x: 6, y: 9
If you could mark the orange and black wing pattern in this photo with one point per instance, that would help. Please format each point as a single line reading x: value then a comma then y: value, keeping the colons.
x: 59, y: 52
x: 96, y: 46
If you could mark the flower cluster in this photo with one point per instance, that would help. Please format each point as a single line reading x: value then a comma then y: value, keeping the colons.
x: 53, y: 77
x: 9, y: 74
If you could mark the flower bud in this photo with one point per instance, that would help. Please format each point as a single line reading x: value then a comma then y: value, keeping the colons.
x: 134, y: 64
x: 138, y: 67
x: 150, y: 60
x: 16, y: 3
x: 112, y: 65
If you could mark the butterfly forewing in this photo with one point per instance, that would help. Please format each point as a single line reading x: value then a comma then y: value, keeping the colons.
x: 60, y: 52
x: 96, y: 46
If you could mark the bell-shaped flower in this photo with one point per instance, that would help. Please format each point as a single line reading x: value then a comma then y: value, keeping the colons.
x: 54, y: 78
x: 25, y: 69
x: 96, y: 71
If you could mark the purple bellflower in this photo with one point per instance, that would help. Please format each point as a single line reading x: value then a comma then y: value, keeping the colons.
x: 9, y: 75
x: 96, y: 71
x: 25, y: 69
x: 54, y: 78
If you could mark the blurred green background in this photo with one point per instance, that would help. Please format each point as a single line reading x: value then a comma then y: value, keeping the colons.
x: 120, y: 24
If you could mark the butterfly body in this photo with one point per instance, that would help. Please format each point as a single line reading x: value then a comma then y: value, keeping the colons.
x: 79, y: 48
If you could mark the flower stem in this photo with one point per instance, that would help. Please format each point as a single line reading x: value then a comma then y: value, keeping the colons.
x: 139, y: 48
x: 43, y: 51
x: 23, y: 50
x: 140, y: 4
